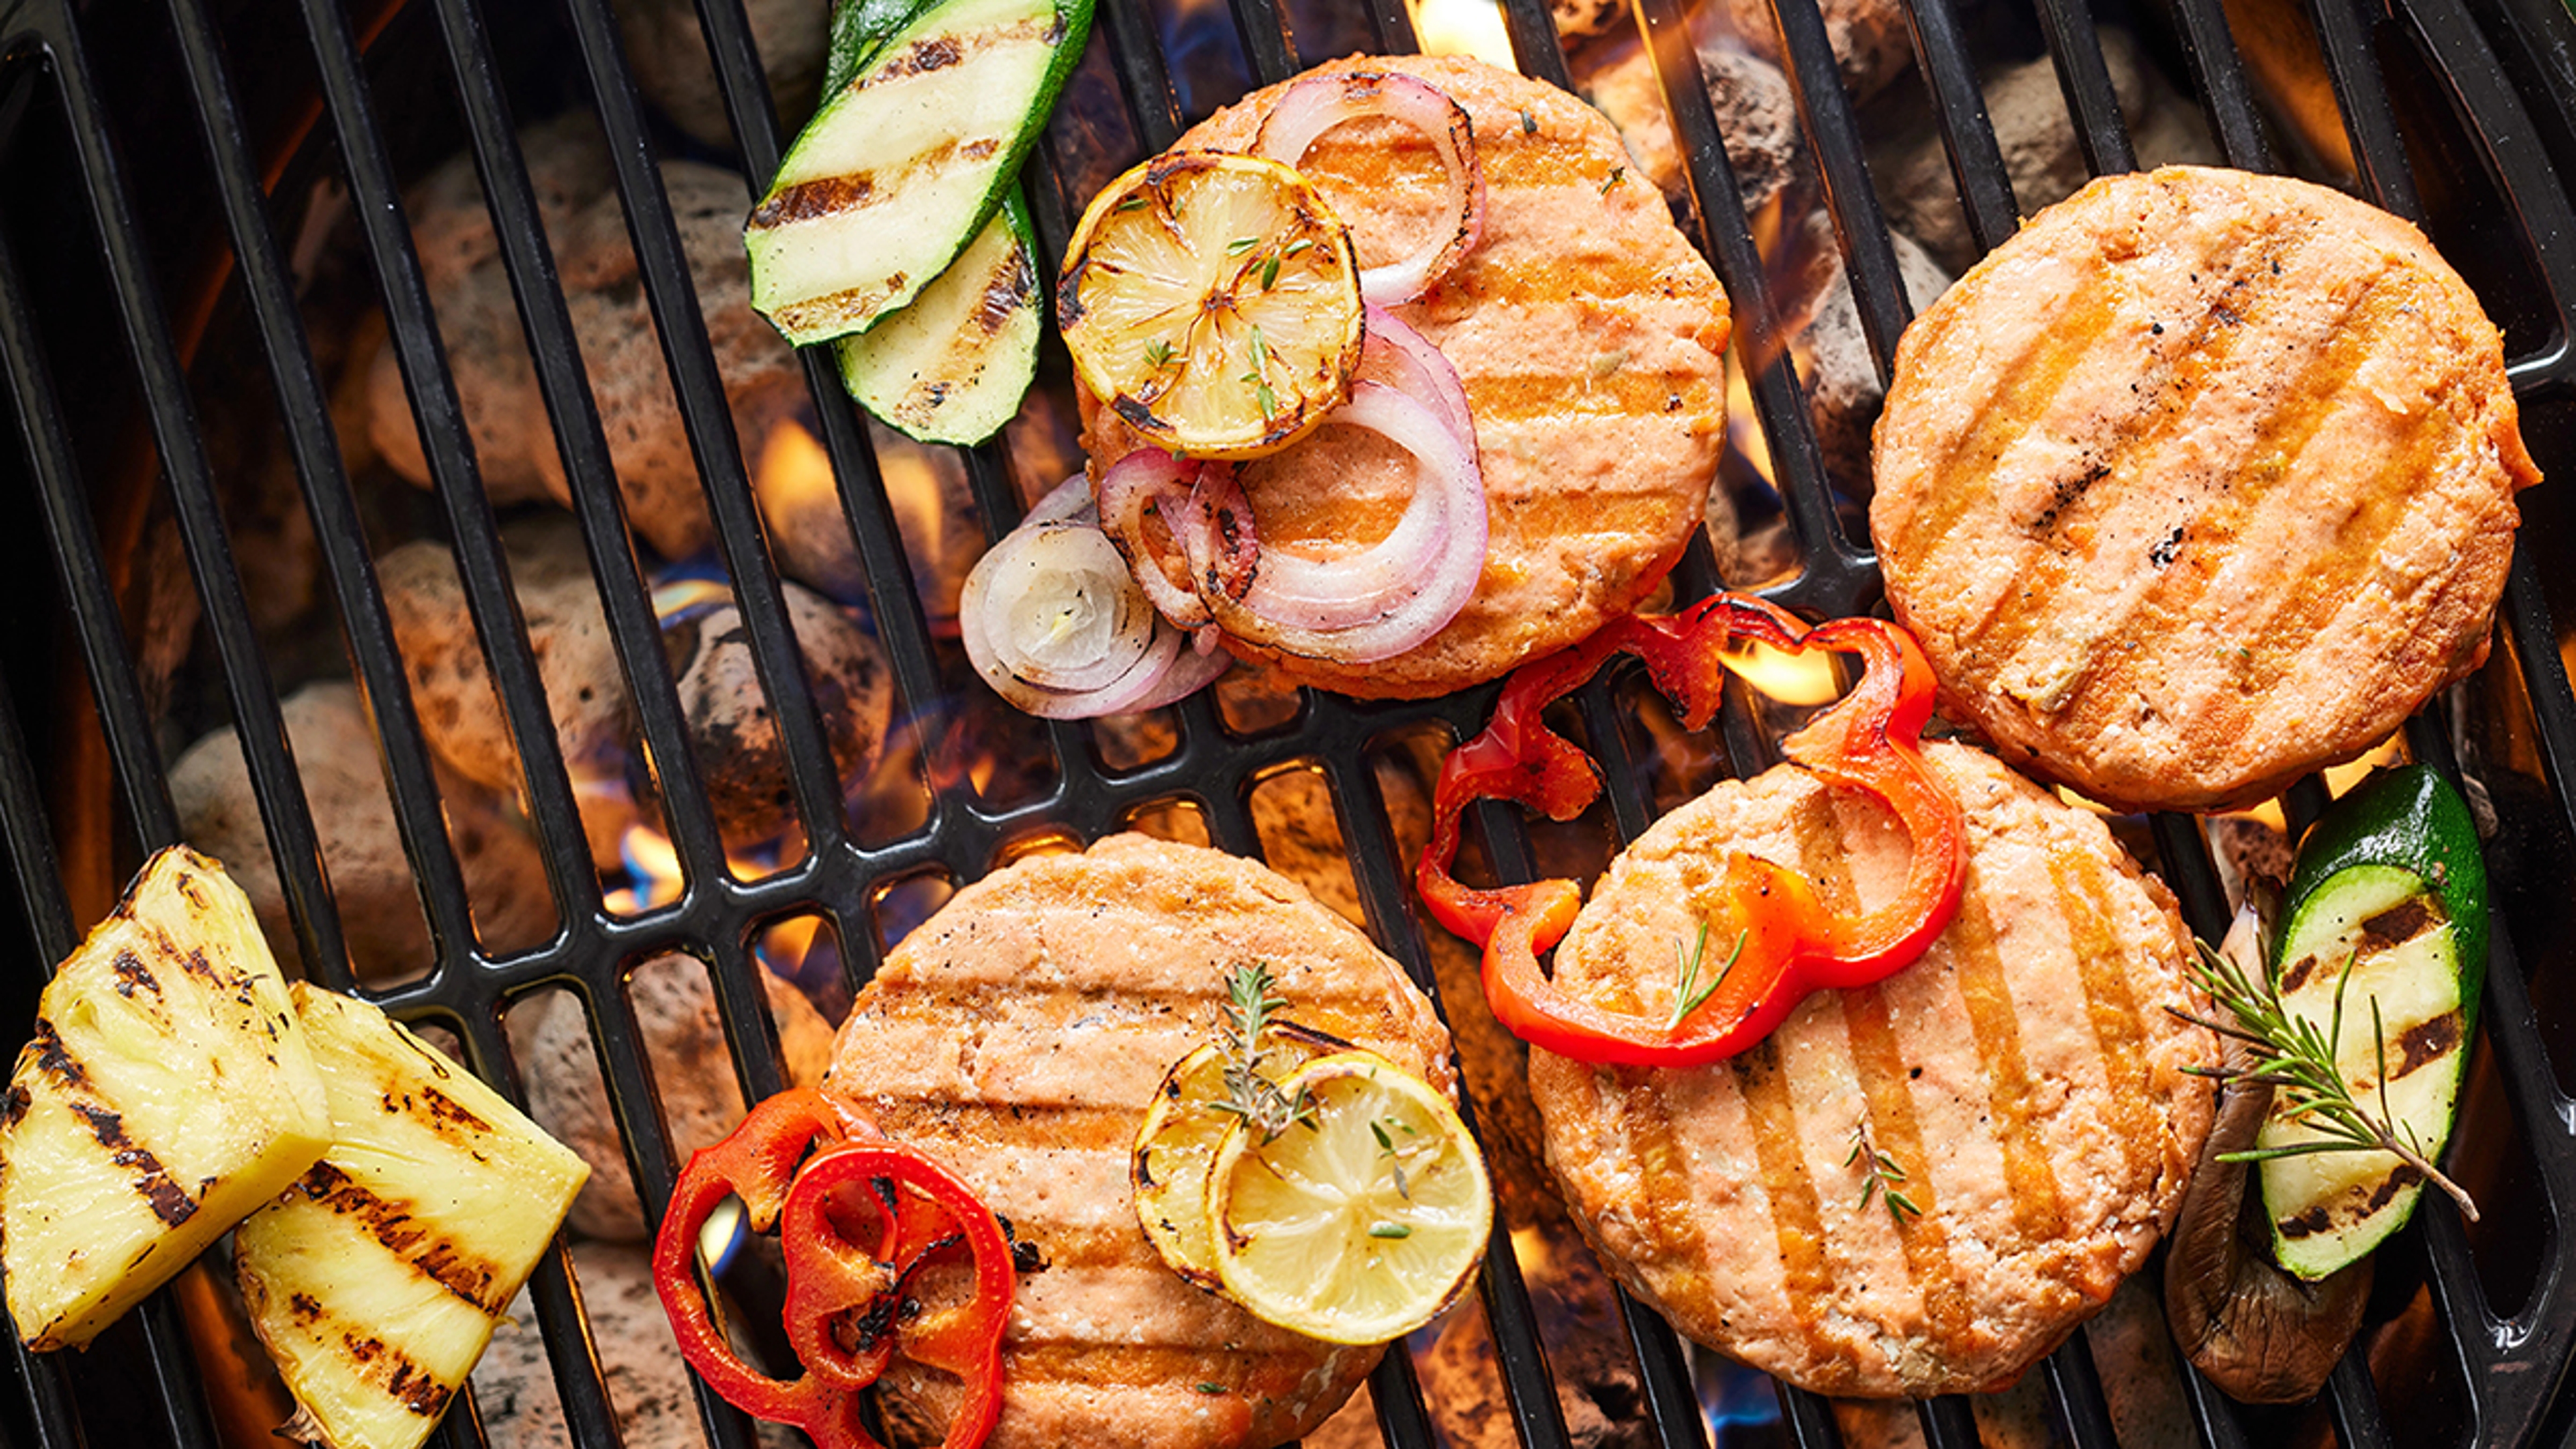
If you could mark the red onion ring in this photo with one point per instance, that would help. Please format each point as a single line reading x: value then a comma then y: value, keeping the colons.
x: 1053, y: 620
x: 1395, y: 593
x: 1422, y: 371
x: 1319, y: 103
x: 1151, y: 477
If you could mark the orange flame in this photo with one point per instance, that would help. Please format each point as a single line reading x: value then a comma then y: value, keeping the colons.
x: 1464, y: 27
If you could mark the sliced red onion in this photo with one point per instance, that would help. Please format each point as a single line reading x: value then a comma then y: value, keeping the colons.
x: 1422, y: 371
x: 1319, y: 103
x: 1217, y: 533
x: 1054, y: 621
x: 1145, y: 478
x: 1395, y: 593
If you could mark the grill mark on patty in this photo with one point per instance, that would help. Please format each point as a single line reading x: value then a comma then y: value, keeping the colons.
x: 2292, y: 419
x: 2110, y: 1003
x: 2039, y: 1212
x: 1246, y: 1373
x: 1879, y: 1061
x: 988, y: 1124
x: 1628, y: 392
x: 1796, y: 1223
x: 2050, y: 555
x: 1670, y: 1223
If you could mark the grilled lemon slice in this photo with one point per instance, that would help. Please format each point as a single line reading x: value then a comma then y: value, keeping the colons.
x: 1364, y: 1220
x: 1183, y: 1131
x: 1212, y: 300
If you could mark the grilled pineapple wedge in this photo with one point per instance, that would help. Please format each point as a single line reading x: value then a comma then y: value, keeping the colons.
x: 375, y: 1280
x: 167, y: 1094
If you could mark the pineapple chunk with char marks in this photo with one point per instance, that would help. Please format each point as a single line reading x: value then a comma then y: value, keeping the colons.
x: 376, y: 1280
x: 167, y: 1094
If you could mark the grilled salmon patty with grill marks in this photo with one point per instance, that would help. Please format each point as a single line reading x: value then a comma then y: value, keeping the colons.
x: 2201, y: 481
x: 2027, y: 1076
x: 1588, y: 335
x: 1019, y: 1036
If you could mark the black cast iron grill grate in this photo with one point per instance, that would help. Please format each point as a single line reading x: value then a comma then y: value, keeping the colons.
x: 2509, y: 1360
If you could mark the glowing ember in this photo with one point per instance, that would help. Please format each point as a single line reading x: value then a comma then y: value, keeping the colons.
x: 1788, y: 678
x: 1464, y: 27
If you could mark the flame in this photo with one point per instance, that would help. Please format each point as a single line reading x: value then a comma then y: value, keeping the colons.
x: 1464, y: 27
x: 913, y: 494
x: 1783, y: 676
x: 794, y: 471
x: 1744, y: 425
x: 652, y: 871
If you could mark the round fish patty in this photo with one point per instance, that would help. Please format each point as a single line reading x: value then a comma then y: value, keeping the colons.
x: 2026, y: 1076
x: 1018, y: 1037
x: 2200, y: 482
x: 1589, y: 337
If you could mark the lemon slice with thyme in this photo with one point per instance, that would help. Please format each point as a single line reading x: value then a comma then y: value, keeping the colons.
x: 1212, y: 302
x: 1183, y: 1130
x: 1364, y: 1217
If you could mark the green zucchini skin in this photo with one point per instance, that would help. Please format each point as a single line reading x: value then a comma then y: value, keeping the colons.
x: 953, y: 366
x: 2411, y: 818
x: 2390, y: 880
x: 859, y: 29
x: 909, y: 160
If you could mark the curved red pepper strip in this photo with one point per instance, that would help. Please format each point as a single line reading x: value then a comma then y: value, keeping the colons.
x: 921, y: 1213
x: 1791, y: 945
x: 758, y: 1163
x: 965, y: 1340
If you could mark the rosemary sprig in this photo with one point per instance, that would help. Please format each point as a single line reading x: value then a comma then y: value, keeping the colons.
x: 1248, y: 1094
x: 2301, y: 1064
x: 1879, y: 1175
x: 1690, y: 990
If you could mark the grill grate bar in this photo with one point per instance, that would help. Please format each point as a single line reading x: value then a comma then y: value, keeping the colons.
x: 1948, y: 1422
x: 336, y: 528
x: 1976, y: 161
x: 2086, y: 81
x: 1269, y: 43
x: 546, y: 324
x: 291, y: 836
x: 412, y: 331
x: 1394, y: 27
x: 2346, y: 36
x: 1151, y: 103
x: 2224, y: 95
x: 708, y: 420
x: 1860, y: 225
x: 2075, y: 1392
x: 1839, y: 577
x: 1535, y: 50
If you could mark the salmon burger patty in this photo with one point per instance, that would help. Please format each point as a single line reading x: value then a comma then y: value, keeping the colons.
x: 2201, y: 481
x: 1019, y: 1036
x: 2027, y: 1077
x: 1588, y: 335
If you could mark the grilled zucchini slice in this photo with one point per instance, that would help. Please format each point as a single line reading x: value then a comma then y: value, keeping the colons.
x: 376, y: 1279
x: 902, y: 167
x: 953, y: 366
x: 2390, y: 888
x: 168, y: 1093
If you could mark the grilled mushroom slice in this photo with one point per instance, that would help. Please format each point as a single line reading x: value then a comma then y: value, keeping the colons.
x: 2258, y: 1333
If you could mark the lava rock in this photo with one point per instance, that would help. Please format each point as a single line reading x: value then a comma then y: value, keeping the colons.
x: 334, y: 742
x: 668, y: 53
x: 648, y: 1382
x: 621, y: 351
x: 675, y: 1009
x: 731, y: 729
x: 1869, y: 37
x: 1755, y: 113
x: 452, y: 689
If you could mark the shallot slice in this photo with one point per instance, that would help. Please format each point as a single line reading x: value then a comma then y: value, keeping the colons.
x: 1055, y: 623
x: 1319, y: 103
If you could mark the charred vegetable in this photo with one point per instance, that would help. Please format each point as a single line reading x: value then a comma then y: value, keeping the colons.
x: 908, y: 161
x: 2380, y: 962
x: 2258, y: 1333
x: 952, y: 367
x: 168, y: 1093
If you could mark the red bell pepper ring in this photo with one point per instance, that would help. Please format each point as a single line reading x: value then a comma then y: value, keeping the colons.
x: 843, y: 1331
x: 1788, y: 944
x: 921, y: 1214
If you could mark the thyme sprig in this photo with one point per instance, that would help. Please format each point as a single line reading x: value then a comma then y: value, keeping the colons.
x: 1689, y: 991
x: 2300, y: 1061
x: 1879, y: 1175
x: 1258, y: 1100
